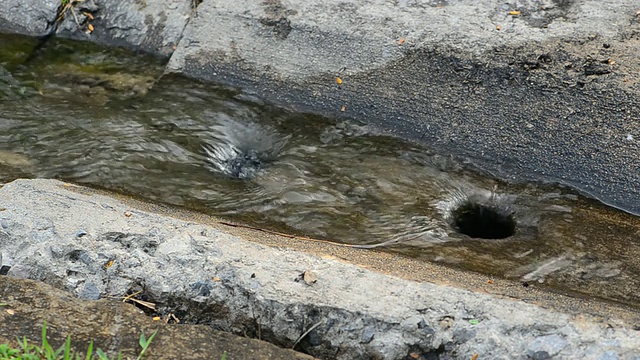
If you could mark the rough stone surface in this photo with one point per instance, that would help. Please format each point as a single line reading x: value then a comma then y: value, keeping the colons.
x: 527, y: 90
x: 152, y: 26
x: 115, y: 327
x: 57, y: 234
x: 28, y: 17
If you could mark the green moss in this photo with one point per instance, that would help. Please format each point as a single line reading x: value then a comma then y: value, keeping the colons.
x: 15, y: 50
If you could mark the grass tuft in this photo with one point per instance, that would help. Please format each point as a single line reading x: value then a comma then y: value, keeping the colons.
x: 28, y: 351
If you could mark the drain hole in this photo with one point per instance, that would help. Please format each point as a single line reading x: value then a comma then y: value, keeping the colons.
x: 483, y: 222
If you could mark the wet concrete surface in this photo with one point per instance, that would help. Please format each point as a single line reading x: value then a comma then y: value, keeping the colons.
x: 302, y: 174
x: 414, y: 269
x: 527, y: 91
x: 524, y: 102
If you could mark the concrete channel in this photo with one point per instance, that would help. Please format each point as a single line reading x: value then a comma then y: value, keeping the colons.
x: 525, y: 91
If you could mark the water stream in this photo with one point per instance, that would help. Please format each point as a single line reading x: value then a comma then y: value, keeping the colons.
x: 107, y: 118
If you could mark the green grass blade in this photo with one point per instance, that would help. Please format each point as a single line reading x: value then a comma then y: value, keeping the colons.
x: 102, y: 355
x: 44, y: 335
x: 143, y: 340
x: 144, y: 343
x: 89, y: 351
x: 67, y: 349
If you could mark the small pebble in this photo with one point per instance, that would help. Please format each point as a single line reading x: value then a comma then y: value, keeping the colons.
x: 81, y: 233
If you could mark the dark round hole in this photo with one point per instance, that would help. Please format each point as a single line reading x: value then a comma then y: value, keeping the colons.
x: 483, y: 222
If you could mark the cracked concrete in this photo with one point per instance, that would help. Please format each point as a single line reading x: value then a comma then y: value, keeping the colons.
x: 67, y: 237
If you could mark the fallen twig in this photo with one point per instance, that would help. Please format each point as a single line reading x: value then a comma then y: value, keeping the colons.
x: 147, y: 304
x: 306, y: 333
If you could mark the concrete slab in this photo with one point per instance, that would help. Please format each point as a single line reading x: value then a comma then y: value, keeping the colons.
x: 152, y: 26
x: 28, y: 17
x: 526, y: 90
x: 97, y: 246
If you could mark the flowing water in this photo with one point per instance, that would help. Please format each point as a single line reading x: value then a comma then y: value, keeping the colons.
x: 107, y: 118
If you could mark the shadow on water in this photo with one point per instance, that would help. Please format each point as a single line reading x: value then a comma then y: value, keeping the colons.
x: 101, y: 118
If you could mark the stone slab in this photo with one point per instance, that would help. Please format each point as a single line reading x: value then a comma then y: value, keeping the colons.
x: 96, y: 246
x: 151, y: 26
x: 526, y: 90
x: 27, y: 17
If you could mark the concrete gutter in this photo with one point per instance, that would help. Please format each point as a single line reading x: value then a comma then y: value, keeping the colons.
x: 528, y: 90
x: 96, y: 246
x: 543, y: 91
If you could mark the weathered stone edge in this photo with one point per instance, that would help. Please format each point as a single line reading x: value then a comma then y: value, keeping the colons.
x: 239, y: 286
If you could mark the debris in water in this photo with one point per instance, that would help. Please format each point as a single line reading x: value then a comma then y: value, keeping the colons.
x: 547, y: 268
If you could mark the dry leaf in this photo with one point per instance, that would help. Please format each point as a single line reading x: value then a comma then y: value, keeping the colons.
x: 89, y: 15
x: 401, y: 41
x: 109, y: 264
x: 338, y: 81
x: 216, y: 279
x: 514, y: 12
x: 343, y: 108
x: 10, y: 311
x: 414, y: 355
x: 474, y: 357
x: 489, y: 281
x: 156, y: 318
